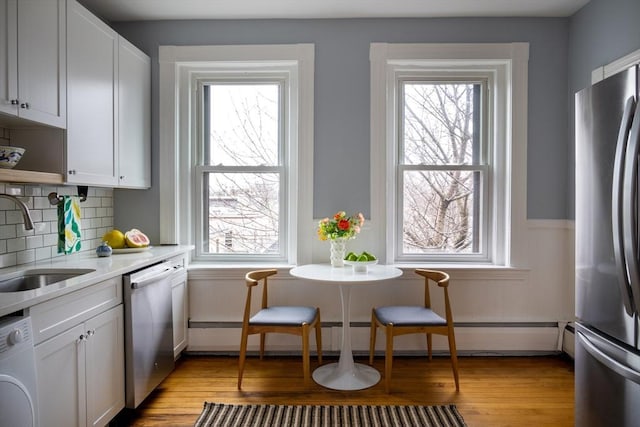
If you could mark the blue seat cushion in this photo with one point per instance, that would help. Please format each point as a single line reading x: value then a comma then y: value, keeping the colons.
x: 408, y: 315
x: 285, y: 315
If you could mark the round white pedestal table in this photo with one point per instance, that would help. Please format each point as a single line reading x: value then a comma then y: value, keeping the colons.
x: 345, y: 375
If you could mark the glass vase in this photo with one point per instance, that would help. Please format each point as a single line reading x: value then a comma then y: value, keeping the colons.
x: 337, y: 252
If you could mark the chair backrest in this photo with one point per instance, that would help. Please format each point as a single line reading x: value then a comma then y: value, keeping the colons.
x: 442, y: 280
x: 253, y: 279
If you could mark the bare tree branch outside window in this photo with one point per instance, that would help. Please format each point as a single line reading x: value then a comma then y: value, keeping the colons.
x: 243, y: 197
x: 438, y: 188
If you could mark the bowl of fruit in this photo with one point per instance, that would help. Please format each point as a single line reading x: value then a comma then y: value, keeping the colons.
x: 360, y: 262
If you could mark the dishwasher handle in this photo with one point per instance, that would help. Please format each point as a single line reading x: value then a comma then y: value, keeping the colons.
x: 150, y: 279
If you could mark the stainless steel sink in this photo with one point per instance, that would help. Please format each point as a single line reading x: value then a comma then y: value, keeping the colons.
x: 39, y: 278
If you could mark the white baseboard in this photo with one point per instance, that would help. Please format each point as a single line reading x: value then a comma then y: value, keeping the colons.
x: 568, y: 343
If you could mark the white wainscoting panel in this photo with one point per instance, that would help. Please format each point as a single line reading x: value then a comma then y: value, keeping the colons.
x: 514, y: 309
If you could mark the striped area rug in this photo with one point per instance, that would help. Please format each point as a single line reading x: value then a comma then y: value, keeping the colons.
x: 221, y: 415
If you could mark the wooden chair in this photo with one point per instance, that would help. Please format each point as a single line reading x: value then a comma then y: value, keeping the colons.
x: 401, y: 320
x: 297, y: 320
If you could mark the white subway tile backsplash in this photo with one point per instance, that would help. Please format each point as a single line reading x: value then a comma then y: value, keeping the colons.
x: 36, y: 215
x: 8, y: 260
x: 50, y: 215
x: 31, y: 190
x: 21, y: 232
x: 14, y: 217
x: 20, y: 246
x: 50, y: 239
x: 16, y: 245
x: 24, y: 257
x: 44, y: 253
x: 34, y: 242
x: 41, y: 203
x: 7, y: 231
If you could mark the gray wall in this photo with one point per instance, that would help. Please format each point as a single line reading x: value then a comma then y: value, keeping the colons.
x: 341, y: 152
x: 599, y: 33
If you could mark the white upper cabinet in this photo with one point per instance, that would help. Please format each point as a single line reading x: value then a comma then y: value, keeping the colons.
x: 109, y: 111
x: 33, y: 60
x: 92, y: 67
x: 134, y: 117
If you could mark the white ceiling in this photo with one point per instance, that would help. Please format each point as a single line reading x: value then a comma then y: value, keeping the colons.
x: 133, y: 10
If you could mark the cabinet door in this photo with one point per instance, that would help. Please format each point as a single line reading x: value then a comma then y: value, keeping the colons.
x: 92, y: 97
x: 180, y: 314
x: 105, y: 366
x: 8, y: 57
x: 134, y: 116
x: 42, y: 61
x: 60, y: 364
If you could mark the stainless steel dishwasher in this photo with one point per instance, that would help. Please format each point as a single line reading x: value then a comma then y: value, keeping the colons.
x: 148, y: 329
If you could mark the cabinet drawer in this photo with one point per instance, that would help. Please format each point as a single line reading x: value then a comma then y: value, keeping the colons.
x: 57, y: 315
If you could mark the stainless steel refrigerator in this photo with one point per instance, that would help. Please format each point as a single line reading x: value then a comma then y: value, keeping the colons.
x: 607, y: 353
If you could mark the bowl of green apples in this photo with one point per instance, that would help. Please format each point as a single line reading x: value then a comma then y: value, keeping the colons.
x: 360, y: 262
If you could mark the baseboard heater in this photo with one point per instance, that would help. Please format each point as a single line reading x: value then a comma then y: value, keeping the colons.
x: 472, y: 338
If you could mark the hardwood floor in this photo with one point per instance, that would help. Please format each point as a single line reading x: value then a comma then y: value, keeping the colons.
x: 494, y: 391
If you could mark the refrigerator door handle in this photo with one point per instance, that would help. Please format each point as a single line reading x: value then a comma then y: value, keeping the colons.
x: 617, y: 206
x: 607, y: 360
x: 630, y: 210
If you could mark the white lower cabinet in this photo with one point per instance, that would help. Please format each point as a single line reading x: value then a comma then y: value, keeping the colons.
x: 81, y: 373
x: 79, y: 347
x: 180, y: 308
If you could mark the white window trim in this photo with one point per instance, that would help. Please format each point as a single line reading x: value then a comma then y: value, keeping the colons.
x: 177, y: 132
x: 510, y: 186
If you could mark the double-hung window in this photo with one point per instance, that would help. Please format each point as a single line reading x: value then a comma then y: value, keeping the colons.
x: 441, y: 166
x: 237, y: 161
x: 448, y: 150
x: 242, y: 174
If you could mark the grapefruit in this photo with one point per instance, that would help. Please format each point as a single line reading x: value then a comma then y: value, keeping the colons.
x: 114, y: 238
x: 136, y: 238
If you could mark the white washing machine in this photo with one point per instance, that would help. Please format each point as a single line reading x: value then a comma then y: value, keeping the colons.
x: 18, y: 396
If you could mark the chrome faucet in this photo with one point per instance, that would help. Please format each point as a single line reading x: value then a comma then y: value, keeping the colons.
x: 26, y: 216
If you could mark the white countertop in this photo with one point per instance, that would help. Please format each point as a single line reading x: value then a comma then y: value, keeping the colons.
x: 105, y: 268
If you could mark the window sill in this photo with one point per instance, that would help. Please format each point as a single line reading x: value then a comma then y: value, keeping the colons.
x: 232, y: 269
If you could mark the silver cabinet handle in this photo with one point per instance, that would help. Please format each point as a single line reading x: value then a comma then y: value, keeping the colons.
x: 91, y: 332
x: 24, y: 105
x: 72, y: 172
x: 14, y: 102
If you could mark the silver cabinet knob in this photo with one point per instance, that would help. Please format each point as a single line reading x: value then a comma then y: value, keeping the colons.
x: 14, y: 102
x: 24, y: 105
x: 72, y: 172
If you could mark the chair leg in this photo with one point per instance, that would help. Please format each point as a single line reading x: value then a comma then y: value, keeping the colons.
x: 306, y: 368
x: 388, y: 359
x: 454, y: 358
x: 372, y: 339
x: 429, y: 343
x: 262, y: 339
x: 319, y: 339
x: 242, y: 357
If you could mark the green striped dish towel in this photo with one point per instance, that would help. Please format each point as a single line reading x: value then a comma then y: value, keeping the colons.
x: 69, y: 234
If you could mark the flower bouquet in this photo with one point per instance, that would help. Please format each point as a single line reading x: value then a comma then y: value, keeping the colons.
x: 338, y: 230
